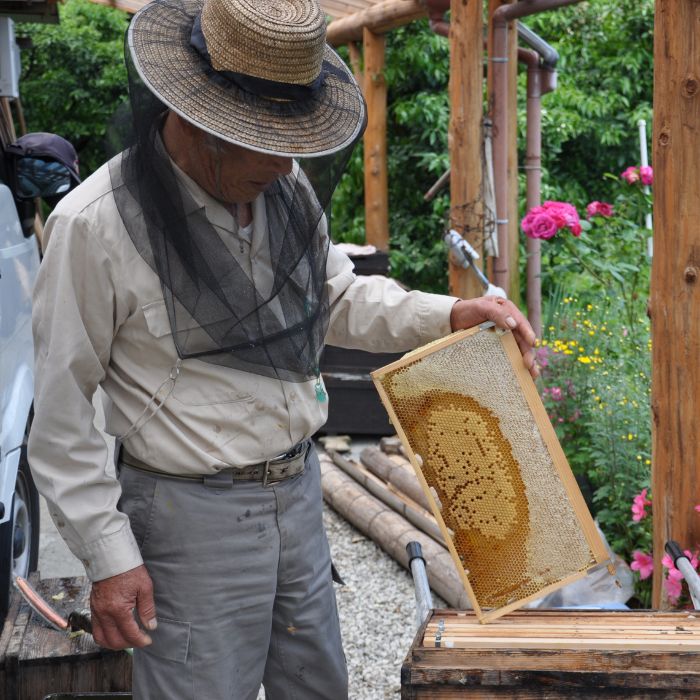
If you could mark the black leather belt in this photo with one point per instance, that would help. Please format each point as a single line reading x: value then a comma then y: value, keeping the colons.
x: 269, y: 472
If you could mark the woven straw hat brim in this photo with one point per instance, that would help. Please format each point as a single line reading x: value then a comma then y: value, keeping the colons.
x: 158, y: 38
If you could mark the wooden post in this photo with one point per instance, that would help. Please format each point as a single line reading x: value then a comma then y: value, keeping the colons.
x: 513, y: 217
x: 675, y: 283
x: 376, y: 185
x: 510, y: 106
x: 465, y: 137
x: 355, y: 54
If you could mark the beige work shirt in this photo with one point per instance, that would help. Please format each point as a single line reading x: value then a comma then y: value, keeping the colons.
x: 100, y: 320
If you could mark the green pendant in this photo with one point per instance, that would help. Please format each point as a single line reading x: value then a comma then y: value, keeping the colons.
x: 321, y: 395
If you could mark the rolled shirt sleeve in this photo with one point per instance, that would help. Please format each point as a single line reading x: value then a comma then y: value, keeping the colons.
x: 374, y: 313
x: 75, y: 316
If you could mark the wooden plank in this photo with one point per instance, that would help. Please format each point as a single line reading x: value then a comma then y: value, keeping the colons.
x: 526, y: 668
x: 513, y: 226
x: 675, y: 281
x: 465, y: 137
x: 376, y: 179
x: 36, y: 660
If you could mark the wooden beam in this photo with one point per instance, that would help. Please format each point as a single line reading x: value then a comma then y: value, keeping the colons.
x: 376, y: 181
x: 380, y: 18
x: 675, y: 283
x: 340, y: 8
x: 130, y: 6
x: 465, y: 136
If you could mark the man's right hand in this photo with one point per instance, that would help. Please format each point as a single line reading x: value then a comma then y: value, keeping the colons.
x: 112, y: 603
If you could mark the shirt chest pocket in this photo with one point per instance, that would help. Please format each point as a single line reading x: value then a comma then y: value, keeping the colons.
x: 199, y: 383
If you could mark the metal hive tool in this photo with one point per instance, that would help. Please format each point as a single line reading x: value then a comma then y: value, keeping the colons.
x: 480, y: 440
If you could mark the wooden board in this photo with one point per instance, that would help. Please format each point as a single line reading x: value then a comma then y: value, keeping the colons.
x: 492, y: 469
x: 555, y: 654
x: 36, y: 660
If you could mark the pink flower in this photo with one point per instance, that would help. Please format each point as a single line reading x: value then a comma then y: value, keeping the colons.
x: 555, y: 393
x: 639, y: 504
x: 673, y: 588
x: 544, y: 221
x: 597, y: 208
x: 697, y: 508
x: 563, y: 213
x: 526, y: 223
x: 543, y: 226
x: 631, y: 174
x: 642, y: 562
x: 542, y: 358
x: 646, y: 174
x: 672, y: 583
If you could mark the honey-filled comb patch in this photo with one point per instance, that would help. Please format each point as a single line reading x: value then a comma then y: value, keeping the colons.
x: 511, y: 513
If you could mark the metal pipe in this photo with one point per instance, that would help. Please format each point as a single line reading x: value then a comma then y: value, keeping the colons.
x: 547, y: 53
x: 533, y: 175
x: 499, y: 60
x: 424, y: 599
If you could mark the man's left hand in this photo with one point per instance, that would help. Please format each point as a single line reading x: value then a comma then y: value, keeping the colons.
x: 467, y: 313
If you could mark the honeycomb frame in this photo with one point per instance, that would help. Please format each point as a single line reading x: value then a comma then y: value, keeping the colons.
x: 481, y: 443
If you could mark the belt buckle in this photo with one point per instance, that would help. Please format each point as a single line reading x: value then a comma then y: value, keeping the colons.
x: 266, y: 473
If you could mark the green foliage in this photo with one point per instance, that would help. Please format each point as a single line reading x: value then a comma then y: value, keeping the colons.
x: 417, y: 71
x: 589, y: 123
x: 73, y: 76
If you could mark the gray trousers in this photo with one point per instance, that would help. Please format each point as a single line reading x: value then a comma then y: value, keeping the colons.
x: 243, y: 590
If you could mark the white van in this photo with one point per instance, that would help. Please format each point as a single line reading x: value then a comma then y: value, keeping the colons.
x: 19, y: 501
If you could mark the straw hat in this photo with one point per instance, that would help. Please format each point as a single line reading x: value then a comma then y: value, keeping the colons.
x: 257, y: 73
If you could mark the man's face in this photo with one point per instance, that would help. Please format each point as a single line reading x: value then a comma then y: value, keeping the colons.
x: 232, y: 173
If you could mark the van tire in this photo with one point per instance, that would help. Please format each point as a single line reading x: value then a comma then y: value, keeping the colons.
x: 19, y: 536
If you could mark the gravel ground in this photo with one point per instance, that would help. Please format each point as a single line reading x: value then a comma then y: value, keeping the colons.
x: 377, y: 611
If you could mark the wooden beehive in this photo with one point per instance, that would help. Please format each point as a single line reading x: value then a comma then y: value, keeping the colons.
x: 36, y: 660
x: 555, y: 654
x: 472, y: 423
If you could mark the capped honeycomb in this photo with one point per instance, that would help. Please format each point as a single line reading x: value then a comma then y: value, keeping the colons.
x: 517, y: 522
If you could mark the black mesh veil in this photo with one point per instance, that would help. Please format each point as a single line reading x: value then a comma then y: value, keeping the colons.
x: 217, y: 312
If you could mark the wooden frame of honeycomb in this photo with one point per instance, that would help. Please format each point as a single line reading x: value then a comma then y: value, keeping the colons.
x: 508, y: 505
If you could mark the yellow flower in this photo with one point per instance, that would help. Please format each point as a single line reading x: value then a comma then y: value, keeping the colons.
x: 584, y: 359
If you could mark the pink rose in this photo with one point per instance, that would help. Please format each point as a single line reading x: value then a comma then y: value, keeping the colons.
x: 544, y: 221
x: 646, y: 175
x: 526, y: 223
x: 639, y: 504
x: 543, y: 226
x: 565, y: 215
x: 631, y: 174
x: 555, y: 393
x: 597, y: 208
x: 642, y: 562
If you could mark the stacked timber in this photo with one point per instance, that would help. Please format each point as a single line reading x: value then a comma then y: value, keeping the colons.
x: 555, y: 655
x: 381, y: 496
